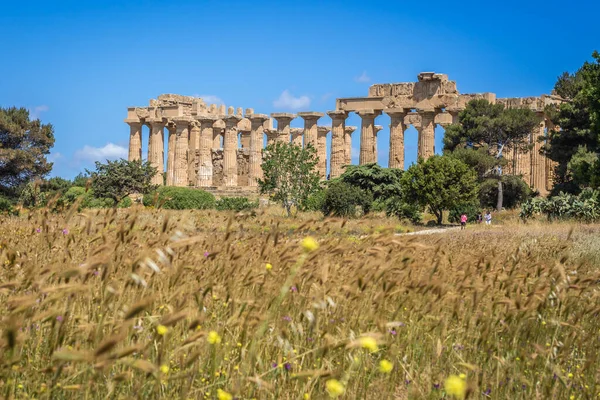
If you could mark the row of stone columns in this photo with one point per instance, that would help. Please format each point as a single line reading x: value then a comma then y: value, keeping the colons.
x: 187, y: 136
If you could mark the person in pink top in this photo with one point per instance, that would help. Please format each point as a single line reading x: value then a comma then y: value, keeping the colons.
x: 463, y: 221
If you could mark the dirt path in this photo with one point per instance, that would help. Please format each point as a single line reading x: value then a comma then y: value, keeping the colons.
x: 431, y: 231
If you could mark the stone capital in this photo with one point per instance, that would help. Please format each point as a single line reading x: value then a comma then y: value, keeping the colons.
x: 258, y: 117
x: 180, y: 121
x: 350, y: 129
x: 206, y: 117
x: 368, y: 113
x: 232, y: 117
x: 396, y: 112
x: 377, y: 128
x: 323, y: 130
x: 133, y: 122
x: 283, y: 115
x: 426, y: 111
x: 310, y: 115
x: 338, y: 114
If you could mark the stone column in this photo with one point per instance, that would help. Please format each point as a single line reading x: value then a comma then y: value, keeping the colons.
x: 283, y: 126
x: 426, y: 134
x: 397, y: 129
x: 156, y: 149
x: 297, y: 136
x: 180, y: 164
x: 230, y: 144
x: 508, y: 154
x: 256, y: 144
x: 135, y: 140
x: 245, y: 139
x: 538, y: 160
x: 523, y: 163
x: 338, y: 138
x: 376, y: 130
x: 194, y: 144
x: 205, y: 163
x: 310, y: 127
x: 367, y: 135
x: 349, y: 130
x: 322, y: 132
x: 171, y: 152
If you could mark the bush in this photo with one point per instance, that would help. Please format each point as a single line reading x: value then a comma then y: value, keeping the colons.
x: 515, y: 192
x: 179, y: 198
x: 72, y: 195
x: 235, y: 204
x: 6, y: 206
x: 584, y: 207
x: 401, y: 209
x: 342, y: 199
x: 315, y: 201
x: 125, y: 203
x: 471, y: 209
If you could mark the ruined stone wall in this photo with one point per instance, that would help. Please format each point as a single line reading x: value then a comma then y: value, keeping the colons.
x: 243, y: 162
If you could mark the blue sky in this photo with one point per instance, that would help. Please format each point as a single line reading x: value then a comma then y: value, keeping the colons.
x: 79, y: 64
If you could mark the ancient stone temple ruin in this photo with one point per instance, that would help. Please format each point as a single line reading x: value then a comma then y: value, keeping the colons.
x: 213, y: 147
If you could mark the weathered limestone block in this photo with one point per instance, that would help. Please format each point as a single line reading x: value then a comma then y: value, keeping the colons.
x: 171, y: 152
x: 230, y: 145
x: 256, y: 145
x: 218, y: 134
x: 297, y: 136
x: 156, y: 149
x: 310, y: 127
x: 376, y: 130
x: 322, y: 132
x: 205, y: 162
x: 367, y: 135
x: 349, y: 130
x: 397, y: 128
x: 283, y: 126
x: 338, y: 138
x: 135, y: 139
x: 426, y: 134
x: 538, y: 160
x: 217, y: 162
x: 193, y: 145
x: 180, y: 163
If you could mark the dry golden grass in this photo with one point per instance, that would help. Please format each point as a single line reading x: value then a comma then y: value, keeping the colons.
x: 156, y: 304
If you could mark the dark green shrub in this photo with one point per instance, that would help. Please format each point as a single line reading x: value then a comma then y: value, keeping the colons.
x: 179, y: 198
x: 514, y: 192
x: 315, y: 201
x: 471, y: 209
x: 73, y: 194
x: 342, y: 200
x: 401, y: 209
x: 6, y: 206
x: 125, y: 203
x: 235, y: 204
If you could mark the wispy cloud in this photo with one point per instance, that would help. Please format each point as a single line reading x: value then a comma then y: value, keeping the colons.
x: 210, y: 98
x: 37, y: 111
x: 363, y: 78
x: 110, y: 151
x: 287, y: 101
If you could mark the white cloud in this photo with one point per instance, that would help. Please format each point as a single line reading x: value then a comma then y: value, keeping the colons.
x: 109, y: 152
x: 364, y: 78
x: 210, y: 98
x: 287, y: 101
x: 37, y: 110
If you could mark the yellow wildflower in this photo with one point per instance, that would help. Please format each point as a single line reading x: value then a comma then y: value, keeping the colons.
x: 306, y: 396
x: 369, y: 343
x: 334, y: 388
x: 455, y: 386
x: 164, y: 369
x: 570, y: 375
x: 268, y: 266
x: 214, y: 338
x: 385, y: 366
x: 162, y: 330
x: 309, y: 244
x: 223, y: 395
x: 462, y: 376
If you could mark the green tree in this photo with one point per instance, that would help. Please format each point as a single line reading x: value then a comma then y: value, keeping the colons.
x: 579, y: 121
x: 290, y: 174
x: 440, y: 183
x: 495, y: 128
x: 118, y: 179
x: 342, y: 199
x: 382, y: 183
x: 24, y: 145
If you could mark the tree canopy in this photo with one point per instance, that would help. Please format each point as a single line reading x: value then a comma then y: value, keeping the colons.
x: 382, y: 183
x: 574, y: 144
x: 289, y: 174
x: 118, y: 179
x: 24, y: 145
x: 439, y: 183
x: 496, y: 130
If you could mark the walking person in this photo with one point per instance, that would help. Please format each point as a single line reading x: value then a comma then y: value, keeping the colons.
x: 463, y: 221
x: 479, y: 217
x: 488, y: 218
